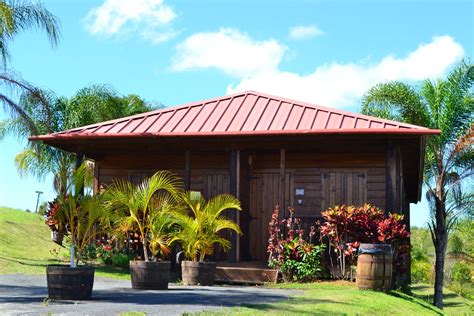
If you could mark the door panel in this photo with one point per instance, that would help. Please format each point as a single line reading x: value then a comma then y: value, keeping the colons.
x: 264, y: 195
x: 343, y: 187
x: 213, y: 185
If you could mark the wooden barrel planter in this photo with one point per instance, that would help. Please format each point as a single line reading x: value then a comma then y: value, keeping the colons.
x: 66, y: 283
x: 150, y: 275
x: 198, y: 273
x: 374, y: 267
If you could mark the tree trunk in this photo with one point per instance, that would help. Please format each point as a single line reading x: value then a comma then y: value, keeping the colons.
x: 145, y: 251
x: 440, y: 243
x: 439, y: 278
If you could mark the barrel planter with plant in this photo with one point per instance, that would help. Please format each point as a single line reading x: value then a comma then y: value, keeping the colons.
x: 374, y: 267
x: 146, y: 208
x: 75, y: 214
x: 200, y: 223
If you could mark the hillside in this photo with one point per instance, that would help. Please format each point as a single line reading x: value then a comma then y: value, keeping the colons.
x: 25, y: 243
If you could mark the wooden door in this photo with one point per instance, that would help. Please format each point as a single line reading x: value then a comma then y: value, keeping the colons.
x: 264, y: 195
x: 215, y: 184
x: 343, y: 187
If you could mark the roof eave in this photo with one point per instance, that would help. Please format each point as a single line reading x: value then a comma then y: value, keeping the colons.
x: 377, y: 131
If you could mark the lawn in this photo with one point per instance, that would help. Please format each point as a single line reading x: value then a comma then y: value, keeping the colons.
x: 343, y: 298
x: 26, y: 246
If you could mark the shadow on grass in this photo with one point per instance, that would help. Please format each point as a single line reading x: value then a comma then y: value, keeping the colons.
x: 295, y: 306
x: 416, y: 300
x: 30, y: 262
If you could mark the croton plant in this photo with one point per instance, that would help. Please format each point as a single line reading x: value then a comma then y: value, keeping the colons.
x: 346, y: 227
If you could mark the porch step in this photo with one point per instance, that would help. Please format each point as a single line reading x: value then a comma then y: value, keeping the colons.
x: 235, y: 274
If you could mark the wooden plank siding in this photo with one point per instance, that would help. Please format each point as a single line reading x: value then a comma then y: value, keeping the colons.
x: 260, y: 182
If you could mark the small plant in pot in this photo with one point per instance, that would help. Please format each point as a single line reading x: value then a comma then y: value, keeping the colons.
x: 76, y: 215
x: 200, y: 223
x: 146, y: 208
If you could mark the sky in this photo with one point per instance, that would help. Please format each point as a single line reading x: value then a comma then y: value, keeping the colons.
x: 173, y: 52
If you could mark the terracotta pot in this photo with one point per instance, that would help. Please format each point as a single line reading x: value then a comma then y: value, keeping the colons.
x: 150, y: 275
x: 198, y: 273
x: 66, y: 283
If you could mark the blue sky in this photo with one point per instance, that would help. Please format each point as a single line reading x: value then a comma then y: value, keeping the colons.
x: 327, y: 52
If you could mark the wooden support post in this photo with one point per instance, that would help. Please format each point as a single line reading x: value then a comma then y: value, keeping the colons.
x: 234, y: 171
x: 281, y: 194
x: 187, y: 171
x: 392, y: 172
x: 79, y: 161
x: 96, y: 188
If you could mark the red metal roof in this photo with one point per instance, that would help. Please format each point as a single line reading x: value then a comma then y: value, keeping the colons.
x: 247, y: 113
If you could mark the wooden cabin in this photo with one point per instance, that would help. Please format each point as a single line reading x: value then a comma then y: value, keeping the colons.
x: 266, y: 150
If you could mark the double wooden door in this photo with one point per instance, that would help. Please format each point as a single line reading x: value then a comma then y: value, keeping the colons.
x: 264, y: 196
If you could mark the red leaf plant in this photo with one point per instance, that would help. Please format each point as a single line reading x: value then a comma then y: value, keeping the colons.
x: 346, y: 227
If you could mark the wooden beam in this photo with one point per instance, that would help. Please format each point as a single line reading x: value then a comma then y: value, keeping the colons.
x: 281, y: 195
x: 96, y: 187
x: 392, y: 178
x: 187, y: 171
x: 79, y: 160
x: 234, y: 172
x: 421, y: 166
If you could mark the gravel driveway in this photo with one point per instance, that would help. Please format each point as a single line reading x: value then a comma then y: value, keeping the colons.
x: 26, y: 294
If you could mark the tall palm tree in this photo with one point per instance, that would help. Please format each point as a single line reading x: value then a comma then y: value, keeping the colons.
x: 200, y: 223
x: 41, y: 111
x: 19, y: 16
x: 447, y: 105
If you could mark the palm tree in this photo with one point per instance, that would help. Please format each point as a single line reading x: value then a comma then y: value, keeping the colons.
x: 200, y: 223
x: 447, y: 105
x: 146, y: 207
x: 16, y: 17
x: 79, y: 213
x: 41, y: 111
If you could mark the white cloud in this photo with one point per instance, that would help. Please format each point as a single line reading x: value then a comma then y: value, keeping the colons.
x: 304, y: 32
x: 342, y: 85
x: 229, y: 50
x: 149, y: 18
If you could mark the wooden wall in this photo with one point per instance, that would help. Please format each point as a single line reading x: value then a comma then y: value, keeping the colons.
x: 309, y: 167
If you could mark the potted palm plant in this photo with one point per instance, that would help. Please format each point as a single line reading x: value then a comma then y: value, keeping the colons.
x: 200, y: 223
x: 76, y: 215
x: 146, y: 208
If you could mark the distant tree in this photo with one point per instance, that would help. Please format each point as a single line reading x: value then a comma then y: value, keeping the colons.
x: 42, y: 112
x: 19, y: 16
x: 447, y: 105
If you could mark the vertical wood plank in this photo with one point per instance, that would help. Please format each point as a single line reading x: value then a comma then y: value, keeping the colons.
x: 233, y: 189
x: 187, y: 171
x: 391, y: 178
x: 281, y: 185
x: 95, y: 189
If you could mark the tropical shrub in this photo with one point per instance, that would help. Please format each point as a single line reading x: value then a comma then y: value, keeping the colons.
x: 75, y: 214
x: 346, y: 227
x: 200, y: 223
x: 146, y: 209
x: 296, y: 258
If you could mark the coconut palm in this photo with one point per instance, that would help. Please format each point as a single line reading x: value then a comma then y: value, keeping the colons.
x: 447, y: 105
x: 200, y: 223
x: 146, y: 207
x: 19, y: 16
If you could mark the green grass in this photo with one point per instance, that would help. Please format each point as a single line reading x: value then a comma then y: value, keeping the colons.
x: 453, y: 303
x: 332, y: 298
x: 25, y: 243
x: 26, y: 246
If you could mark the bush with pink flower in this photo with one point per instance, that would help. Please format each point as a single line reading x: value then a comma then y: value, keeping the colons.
x: 298, y: 259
